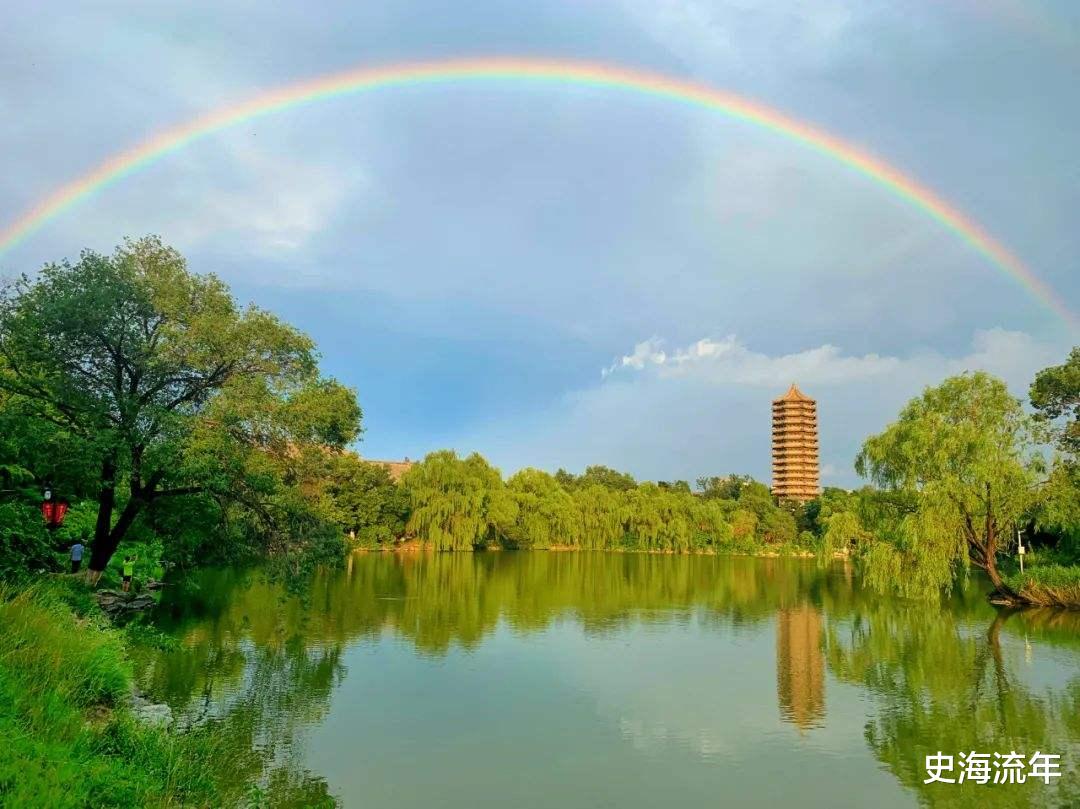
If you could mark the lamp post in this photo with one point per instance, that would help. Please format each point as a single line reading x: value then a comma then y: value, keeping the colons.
x: 52, y: 510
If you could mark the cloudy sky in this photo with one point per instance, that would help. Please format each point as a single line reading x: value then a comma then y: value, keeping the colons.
x: 557, y: 275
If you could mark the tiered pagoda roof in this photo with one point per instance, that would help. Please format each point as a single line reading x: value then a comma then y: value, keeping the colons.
x: 795, y: 446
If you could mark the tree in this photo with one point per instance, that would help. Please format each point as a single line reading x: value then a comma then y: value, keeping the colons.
x: 961, y: 463
x: 725, y: 487
x: 674, y: 485
x: 458, y: 504
x: 545, y: 513
x: 743, y: 524
x: 160, y: 378
x: 1055, y: 395
x: 599, y: 511
x: 364, y: 500
x: 608, y: 478
x: 565, y: 479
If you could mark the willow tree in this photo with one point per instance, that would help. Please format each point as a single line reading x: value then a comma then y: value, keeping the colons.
x: 599, y: 512
x: 545, y: 515
x: 961, y: 466
x: 159, y: 376
x: 710, y: 521
x: 659, y: 519
x: 457, y: 504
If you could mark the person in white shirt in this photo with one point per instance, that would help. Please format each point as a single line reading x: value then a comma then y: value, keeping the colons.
x: 76, y: 556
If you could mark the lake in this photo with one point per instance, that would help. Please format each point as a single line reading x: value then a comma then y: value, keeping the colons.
x: 521, y: 679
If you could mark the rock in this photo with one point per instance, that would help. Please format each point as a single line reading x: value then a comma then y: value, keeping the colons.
x: 114, y: 603
x: 154, y: 714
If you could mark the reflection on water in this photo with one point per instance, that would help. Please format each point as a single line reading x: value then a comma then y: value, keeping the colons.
x: 614, y: 679
x: 800, y: 666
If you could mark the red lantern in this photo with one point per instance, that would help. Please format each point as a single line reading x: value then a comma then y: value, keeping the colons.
x: 54, y: 512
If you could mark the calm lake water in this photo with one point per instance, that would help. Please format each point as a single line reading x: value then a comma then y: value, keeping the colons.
x: 538, y: 679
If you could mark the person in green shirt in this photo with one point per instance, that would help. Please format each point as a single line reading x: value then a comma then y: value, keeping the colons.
x: 129, y: 570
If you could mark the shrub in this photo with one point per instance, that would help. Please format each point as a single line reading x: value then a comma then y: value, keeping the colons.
x: 24, y: 543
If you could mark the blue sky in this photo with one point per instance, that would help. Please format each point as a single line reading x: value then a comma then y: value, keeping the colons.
x: 558, y: 276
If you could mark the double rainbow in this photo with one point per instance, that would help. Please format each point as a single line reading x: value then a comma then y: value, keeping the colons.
x: 515, y: 69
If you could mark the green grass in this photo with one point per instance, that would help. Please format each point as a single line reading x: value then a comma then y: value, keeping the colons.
x: 68, y: 739
x: 1050, y: 585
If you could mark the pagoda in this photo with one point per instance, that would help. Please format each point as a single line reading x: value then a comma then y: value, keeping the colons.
x: 794, y: 447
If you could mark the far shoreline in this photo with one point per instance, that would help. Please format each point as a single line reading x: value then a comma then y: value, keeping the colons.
x: 417, y: 546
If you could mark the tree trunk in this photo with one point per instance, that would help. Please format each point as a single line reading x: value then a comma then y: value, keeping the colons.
x: 101, y: 551
x: 995, y: 576
x: 988, y: 547
x: 105, y: 548
x: 107, y: 539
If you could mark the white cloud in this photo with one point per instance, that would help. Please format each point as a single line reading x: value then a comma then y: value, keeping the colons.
x: 729, y: 361
x: 647, y: 352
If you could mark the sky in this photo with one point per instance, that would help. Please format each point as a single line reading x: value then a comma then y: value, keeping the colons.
x: 558, y: 275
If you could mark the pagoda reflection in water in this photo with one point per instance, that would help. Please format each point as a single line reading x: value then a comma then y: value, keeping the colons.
x: 800, y: 666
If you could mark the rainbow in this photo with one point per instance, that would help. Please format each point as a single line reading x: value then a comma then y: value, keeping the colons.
x: 517, y: 69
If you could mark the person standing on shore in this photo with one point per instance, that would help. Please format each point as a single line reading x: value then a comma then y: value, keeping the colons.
x: 76, y: 556
x: 129, y: 570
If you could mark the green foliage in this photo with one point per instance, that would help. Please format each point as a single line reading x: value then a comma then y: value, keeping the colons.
x: 69, y: 739
x: 674, y: 485
x: 1055, y: 395
x: 310, y: 546
x: 962, y: 467
x: 600, y: 476
x: 545, y: 514
x: 1058, y: 510
x: 25, y: 544
x: 657, y: 519
x: 364, y: 501
x: 600, y: 521
x: 727, y: 487
x: 458, y: 504
x: 813, y: 515
x: 130, y: 379
x: 52, y: 659
x: 1048, y: 585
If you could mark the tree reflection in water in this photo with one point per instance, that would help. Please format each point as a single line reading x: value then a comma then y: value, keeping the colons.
x: 937, y: 677
x: 944, y: 682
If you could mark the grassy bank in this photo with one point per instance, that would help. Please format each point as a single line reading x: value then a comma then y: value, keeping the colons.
x: 1048, y: 585
x: 69, y: 739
